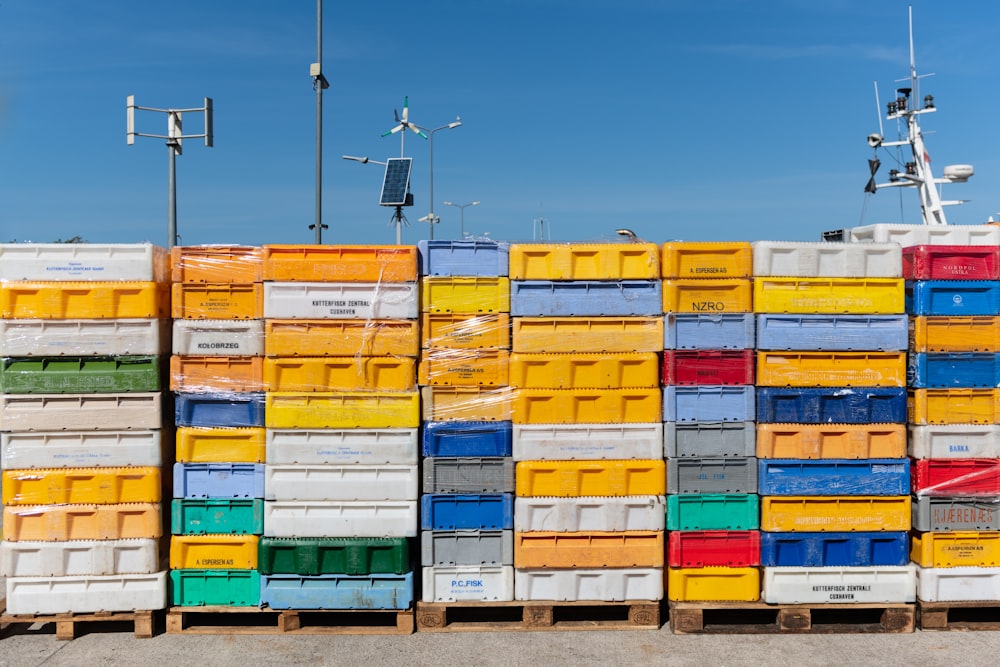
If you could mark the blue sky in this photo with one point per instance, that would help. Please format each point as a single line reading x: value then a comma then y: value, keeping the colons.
x: 699, y: 121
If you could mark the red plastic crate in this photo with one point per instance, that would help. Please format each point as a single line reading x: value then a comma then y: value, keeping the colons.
x: 955, y: 477
x: 708, y: 367
x: 951, y: 262
x: 706, y: 548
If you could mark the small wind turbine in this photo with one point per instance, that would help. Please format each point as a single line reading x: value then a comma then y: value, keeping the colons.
x: 404, y: 123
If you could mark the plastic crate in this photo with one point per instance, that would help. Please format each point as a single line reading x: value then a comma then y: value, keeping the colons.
x: 216, y: 374
x: 713, y: 511
x: 953, y: 369
x: 709, y: 403
x: 333, y: 263
x: 831, y: 441
x: 831, y: 333
x: 953, y: 298
x: 712, y: 475
x: 709, y: 297
x: 86, y: 594
x: 342, y: 446
x: 444, y: 403
x: 468, y: 583
x: 460, y: 331
x: 956, y: 477
x: 584, y: 261
x: 910, y: 235
x: 554, y: 442
x: 84, y: 262
x: 825, y: 259
x: 958, y: 584
x: 468, y: 474
x: 948, y: 514
x: 466, y: 547
x: 953, y: 406
x: 831, y: 369
x: 466, y: 439
x: 81, y: 486
x: 586, y: 298
x: 81, y: 412
x: 337, y: 591
x: 101, y: 338
x: 340, y: 518
x: 340, y: 300
x: 797, y: 585
x: 834, y: 477
x: 589, y: 514
x: 217, y: 264
x: 349, y: 373
x: 206, y: 445
x: 463, y: 258
x: 588, y: 584
x: 207, y: 516
x: 458, y: 367
x: 834, y: 405
x: 217, y: 301
x: 956, y: 549
x: 61, y: 523
x: 686, y: 259
x: 312, y: 556
x: 579, y: 370
x: 79, y: 449
x: 587, y: 334
x: 711, y: 439
x: 291, y: 482
x: 834, y: 549
x: 83, y: 300
x: 714, y: 548
x: 233, y: 552
x: 332, y: 338
x: 233, y: 410
x: 465, y: 294
x: 954, y: 334
x: 610, y: 550
x: 358, y: 409
x: 218, y: 480
x: 834, y: 513
x: 79, y: 375
x: 232, y: 338
x: 485, y: 511
x: 708, y: 367
x: 577, y: 406
x: 951, y: 262
x: 79, y: 558
x: 698, y: 331
x: 230, y: 588
x: 713, y: 584
x: 590, y: 478
x: 850, y: 296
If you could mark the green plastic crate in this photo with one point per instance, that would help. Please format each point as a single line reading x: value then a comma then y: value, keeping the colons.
x: 81, y: 375
x: 225, y: 516
x: 713, y: 511
x: 199, y: 588
x: 333, y: 555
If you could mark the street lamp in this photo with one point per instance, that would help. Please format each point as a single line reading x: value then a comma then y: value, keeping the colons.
x: 430, y: 218
x: 462, y: 207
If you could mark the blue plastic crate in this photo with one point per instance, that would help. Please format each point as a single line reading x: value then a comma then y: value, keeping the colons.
x: 952, y: 370
x: 834, y: 477
x: 832, y: 332
x: 463, y: 258
x: 831, y: 405
x: 701, y: 331
x: 337, y: 591
x: 481, y: 511
x: 214, y: 410
x: 834, y: 549
x: 709, y: 403
x: 587, y: 298
x: 218, y: 480
x: 953, y: 297
x: 458, y: 438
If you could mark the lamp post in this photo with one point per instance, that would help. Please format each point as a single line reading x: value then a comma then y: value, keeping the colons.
x: 319, y: 85
x: 430, y: 218
x: 462, y: 208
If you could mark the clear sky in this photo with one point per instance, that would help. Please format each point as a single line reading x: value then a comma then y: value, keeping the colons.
x: 680, y: 119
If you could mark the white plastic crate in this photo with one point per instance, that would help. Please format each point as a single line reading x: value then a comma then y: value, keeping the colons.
x: 84, y: 261
x: 384, y: 518
x: 78, y: 558
x: 554, y: 442
x: 907, y: 235
x: 83, y: 595
x: 957, y: 584
x: 810, y: 585
x: 81, y: 412
x: 223, y: 338
x: 955, y: 441
x: 342, y: 301
x: 480, y: 583
x: 112, y: 338
x: 829, y: 260
x: 597, y: 584
x: 589, y: 514
x: 399, y: 446
x: 79, y: 449
x: 347, y: 482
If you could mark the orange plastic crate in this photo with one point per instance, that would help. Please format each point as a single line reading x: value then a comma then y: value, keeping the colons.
x: 346, y: 263
x: 216, y: 264
x: 593, y: 549
x: 214, y: 301
x: 216, y: 374
x: 335, y: 338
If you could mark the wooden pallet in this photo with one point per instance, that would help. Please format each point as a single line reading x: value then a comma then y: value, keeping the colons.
x: 222, y: 620
x: 66, y: 624
x: 964, y: 615
x: 537, y: 615
x: 762, y: 618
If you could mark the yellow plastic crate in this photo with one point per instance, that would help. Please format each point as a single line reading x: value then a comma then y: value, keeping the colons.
x: 582, y: 406
x: 213, y: 552
x: 953, y: 406
x: 209, y: 445
x: 779, y: 368
x: 724, y: 295
x: 465, y: 332
x: 572, y: 479
x: 445, y: 403
x: 585, y: 370
x: 216, y: 374
x: 584, y: 261
x: 216, y: 264
x: 587, y: 334
x: 955, y: 334
x: 295, y: 374
x: 83, y: 300
x: 831, y: 441
x: 323, y: 338
x: 444, y: 294
x: 681, y: 259
x: 467, y: 368
x: 340, y: 263
x: 79, y: 486
x: 854, y: 296
x: 640, y: 548
x: 212, y: 301
x: 62, y: 523
x: 713, y: 584
x: 356, y: 409
x: 956, y: 549
x: 834, y: 513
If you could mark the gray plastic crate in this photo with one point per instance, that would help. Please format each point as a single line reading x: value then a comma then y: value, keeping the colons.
x: 466, y: 547
x: 723, y: 439
x: 952, y: 514
x: 468, y: 474
x: 712, y: 475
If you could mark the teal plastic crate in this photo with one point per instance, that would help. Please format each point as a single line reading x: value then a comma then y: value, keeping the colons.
x: 713, y: 511
x: 199, y: 588
x: 333, y: 555
x: 226, y: 516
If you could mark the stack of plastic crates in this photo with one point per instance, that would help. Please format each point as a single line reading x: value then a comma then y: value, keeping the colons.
x: 708, y: 378
x: 590, y: 478
x: 342, y: 415
x: 465, y: 334
x: 217, y: 376
x: 831, y: 375
x: 83, y: 340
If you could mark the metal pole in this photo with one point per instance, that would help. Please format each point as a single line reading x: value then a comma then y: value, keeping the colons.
x: 462, y: 229
x: 319, y: 124
x: 172, y: 196
x: 432, y: 182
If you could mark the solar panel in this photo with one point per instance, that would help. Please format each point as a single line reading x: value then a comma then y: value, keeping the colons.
x: 397, y: 181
